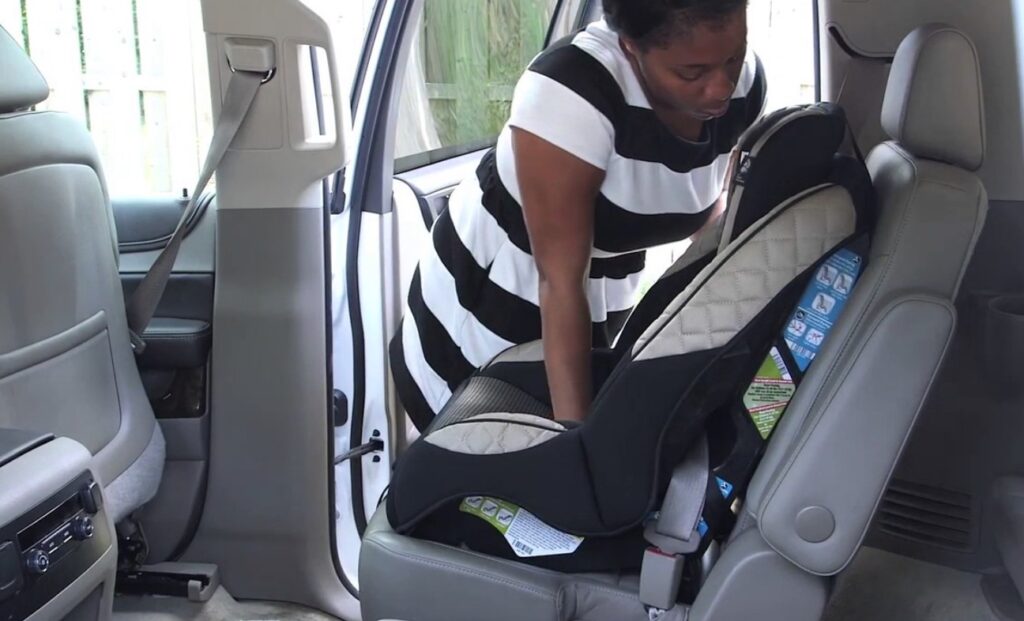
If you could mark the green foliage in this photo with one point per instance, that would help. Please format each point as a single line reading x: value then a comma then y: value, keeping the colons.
x: 475, y: 52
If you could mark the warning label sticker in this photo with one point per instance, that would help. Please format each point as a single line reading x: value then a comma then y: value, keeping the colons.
x: 773, y: 387
x: 769, y: 394
x: 527, y: 535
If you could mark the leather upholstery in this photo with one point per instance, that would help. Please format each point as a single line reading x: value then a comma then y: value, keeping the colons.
x: 933, y: 103
x: 66, y: 365
x: 845, y: 429
x: 22, y: 85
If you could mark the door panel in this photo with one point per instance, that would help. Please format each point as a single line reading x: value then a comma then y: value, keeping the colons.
x: 147, y: 222
x: 174, y: 365
x: 433, y: 184
x: 419, y: 198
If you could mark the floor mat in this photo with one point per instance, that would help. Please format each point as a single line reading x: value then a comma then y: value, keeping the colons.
x: 886, y: 587
x: 221, y: 607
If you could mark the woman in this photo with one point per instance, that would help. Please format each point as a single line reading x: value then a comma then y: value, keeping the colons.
x: 618, y: 141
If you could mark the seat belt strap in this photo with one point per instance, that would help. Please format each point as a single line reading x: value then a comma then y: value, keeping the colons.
x: 238, y: 100
x: 684, y: 501
x: 676, y: 531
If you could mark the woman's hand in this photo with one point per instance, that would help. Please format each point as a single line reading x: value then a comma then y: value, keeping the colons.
x: 558, y: 194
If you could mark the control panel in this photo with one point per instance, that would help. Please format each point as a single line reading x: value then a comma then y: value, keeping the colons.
x: 50, y: 546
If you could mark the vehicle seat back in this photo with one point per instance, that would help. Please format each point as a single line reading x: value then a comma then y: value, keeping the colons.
x: 831, y: 458
x: 66, y: 365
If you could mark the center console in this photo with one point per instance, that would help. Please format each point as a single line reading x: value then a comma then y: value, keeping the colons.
x: 58, y: 558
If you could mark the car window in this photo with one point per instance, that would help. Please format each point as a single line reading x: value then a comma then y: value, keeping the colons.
x: 464, y: 65
x: 782, y: 34
x: 135, y: 73
x: 348, y: 21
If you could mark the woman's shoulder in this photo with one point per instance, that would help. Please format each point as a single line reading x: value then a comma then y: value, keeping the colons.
x: 591, y: 64
x: 570, y: 97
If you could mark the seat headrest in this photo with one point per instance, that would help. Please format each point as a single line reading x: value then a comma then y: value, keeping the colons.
x: 933, y: 103
x: 783, y: 154
x: 22, y: 85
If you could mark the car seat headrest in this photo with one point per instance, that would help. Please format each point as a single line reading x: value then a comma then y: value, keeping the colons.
x: 934, y: 105
x: 22, y: 86
x: 783, y: 154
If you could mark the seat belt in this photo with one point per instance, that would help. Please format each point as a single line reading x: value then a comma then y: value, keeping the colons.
x: 676, y: 531
x: 676, y: 528
x: 238, y: 101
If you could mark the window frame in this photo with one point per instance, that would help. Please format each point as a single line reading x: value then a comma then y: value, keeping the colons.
x: 415, y: 161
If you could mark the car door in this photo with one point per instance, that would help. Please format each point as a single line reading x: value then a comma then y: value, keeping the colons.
x: 435, y: 93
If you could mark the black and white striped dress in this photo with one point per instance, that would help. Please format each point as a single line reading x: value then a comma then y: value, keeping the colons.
x: 475, y: 293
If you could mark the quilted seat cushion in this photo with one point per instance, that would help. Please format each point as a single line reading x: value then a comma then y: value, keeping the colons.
x: 495, y: 434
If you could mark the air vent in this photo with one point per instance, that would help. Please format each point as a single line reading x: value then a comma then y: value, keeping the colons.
x: 928, y: 515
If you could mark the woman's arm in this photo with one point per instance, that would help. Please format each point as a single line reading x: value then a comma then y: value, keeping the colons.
x: 558, y: 192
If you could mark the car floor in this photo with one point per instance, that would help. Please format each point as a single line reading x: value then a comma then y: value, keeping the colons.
x: 879, y: 586
x: 220, y: 607
x: 882, y: 586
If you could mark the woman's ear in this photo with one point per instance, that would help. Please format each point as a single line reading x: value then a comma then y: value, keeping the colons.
x: 630, y: 46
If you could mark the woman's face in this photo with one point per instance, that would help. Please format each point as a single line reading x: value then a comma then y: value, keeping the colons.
x: 697, y: 71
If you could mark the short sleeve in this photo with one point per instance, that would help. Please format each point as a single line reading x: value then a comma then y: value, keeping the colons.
x: 552, y: 111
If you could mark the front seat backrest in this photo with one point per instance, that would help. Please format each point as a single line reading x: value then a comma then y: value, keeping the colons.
x: 831, y: 458
x: 66, y: 365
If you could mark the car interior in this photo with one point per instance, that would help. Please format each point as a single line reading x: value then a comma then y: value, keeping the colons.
x: 197, y: 417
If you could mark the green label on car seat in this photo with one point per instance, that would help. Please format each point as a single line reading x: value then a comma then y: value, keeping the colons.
x: 769, y: 394
x: 527, y: 535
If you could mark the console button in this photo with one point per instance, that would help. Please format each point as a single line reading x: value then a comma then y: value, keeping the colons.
x: 37, y: 562
x: 82, y: 528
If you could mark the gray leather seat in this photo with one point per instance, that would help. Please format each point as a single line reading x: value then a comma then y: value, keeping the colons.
x: 814, y: 494
x: 66, y: 365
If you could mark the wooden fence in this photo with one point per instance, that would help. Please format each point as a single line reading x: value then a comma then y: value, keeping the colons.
x: 474, y: 53
x: 134, y: 71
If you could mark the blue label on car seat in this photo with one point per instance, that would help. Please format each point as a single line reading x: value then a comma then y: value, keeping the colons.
x: 702, y: 527
x: 724, y: 486
x: 821, y: 305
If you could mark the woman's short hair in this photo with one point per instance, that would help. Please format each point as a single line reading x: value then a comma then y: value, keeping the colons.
x: 655, y: 22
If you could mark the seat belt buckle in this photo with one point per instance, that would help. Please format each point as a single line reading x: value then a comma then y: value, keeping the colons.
x: 660, y: 577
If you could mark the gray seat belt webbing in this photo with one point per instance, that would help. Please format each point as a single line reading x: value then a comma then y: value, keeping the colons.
x: 238, y: 100
x: 674, y: 534
x: 675, y: 530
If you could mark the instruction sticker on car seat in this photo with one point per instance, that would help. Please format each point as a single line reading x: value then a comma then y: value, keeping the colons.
x: 823, y: 300
x: 527, y: 535
x: 821, y: 305
x: 769, y: 394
